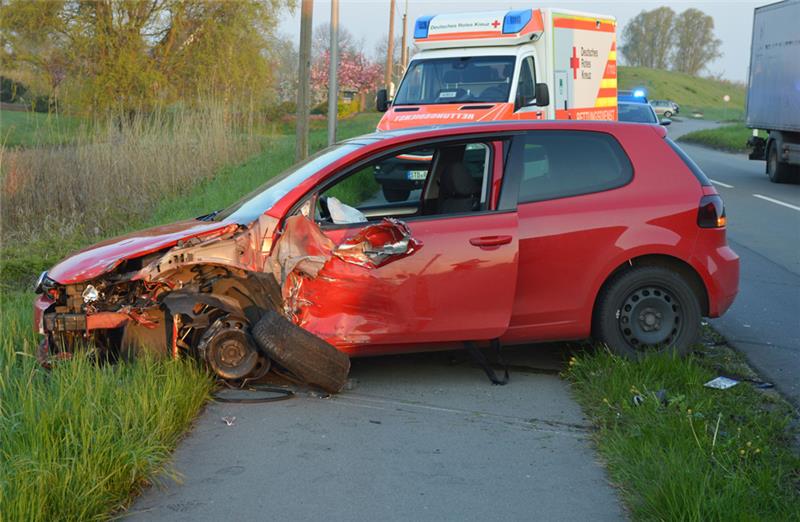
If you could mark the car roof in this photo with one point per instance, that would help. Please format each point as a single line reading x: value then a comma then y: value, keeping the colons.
x: 478, y: 128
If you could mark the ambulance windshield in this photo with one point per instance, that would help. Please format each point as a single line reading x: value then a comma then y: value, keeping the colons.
x: 457, y: 80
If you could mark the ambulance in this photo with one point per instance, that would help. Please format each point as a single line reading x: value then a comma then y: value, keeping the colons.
x: 530, y: 64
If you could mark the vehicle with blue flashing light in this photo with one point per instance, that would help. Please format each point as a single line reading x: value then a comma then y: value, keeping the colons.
x: 638, y: 95
x: 527, y: 64
x: 637, y: 112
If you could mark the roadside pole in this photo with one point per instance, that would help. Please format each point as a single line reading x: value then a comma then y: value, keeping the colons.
x: 333, y: 78
x: 387, y: 78
x: 404, y: 50
x: 303, y: 85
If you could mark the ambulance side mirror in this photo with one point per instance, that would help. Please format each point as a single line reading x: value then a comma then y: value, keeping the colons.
x: 542, y: 95
x: 382, y: 100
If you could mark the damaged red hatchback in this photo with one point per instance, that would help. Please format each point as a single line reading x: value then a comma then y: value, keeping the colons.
x: 510, y: 232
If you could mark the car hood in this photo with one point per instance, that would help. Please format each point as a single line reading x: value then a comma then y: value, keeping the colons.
x: 404, y: 117
x: 105, y: 256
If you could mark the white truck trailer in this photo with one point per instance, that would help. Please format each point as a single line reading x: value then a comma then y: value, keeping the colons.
x: 773, y: 89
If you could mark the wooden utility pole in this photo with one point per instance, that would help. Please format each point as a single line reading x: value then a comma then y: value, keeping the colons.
x: 387, y: 79
x: 303, y: 84
x: 333, y: 80
x: 404, y: 51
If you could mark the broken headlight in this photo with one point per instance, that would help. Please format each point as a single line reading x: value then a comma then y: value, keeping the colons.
x: 48, y: 287
x: 43, y: 284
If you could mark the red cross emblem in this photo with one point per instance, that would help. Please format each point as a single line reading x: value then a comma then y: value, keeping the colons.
x: 495, y: 24
x: 574, y: 63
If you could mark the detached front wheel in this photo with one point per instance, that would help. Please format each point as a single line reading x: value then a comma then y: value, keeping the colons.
x: 647, y: 309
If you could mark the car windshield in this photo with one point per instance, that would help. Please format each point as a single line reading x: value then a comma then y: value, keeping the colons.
x: 457, y: 80
x: 636, y: 112
x: 250, y: 207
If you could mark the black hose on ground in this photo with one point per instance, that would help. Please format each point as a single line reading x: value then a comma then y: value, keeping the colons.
x: 278, y: 394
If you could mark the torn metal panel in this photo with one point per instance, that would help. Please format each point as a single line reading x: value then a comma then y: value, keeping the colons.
x: 323, y: 283
x: 378, y: 244
x: 302, y: 248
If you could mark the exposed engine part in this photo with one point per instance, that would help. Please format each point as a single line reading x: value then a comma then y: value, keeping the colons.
x: 90, y: 294
x: 229, y: 350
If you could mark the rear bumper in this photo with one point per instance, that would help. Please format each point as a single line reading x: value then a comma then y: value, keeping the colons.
x: 720, y: 272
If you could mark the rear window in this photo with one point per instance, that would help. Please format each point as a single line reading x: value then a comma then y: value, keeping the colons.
x: 697, y: 171
x: 559, y: 164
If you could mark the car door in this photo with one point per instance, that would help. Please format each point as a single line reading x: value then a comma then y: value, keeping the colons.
x: 457, y: 285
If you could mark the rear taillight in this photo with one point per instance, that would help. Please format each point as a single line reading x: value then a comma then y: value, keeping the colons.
x: 711, y: 213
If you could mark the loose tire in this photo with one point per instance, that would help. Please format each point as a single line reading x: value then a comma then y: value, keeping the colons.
x: 777, y: 171
x: 395, y: 195
x: 647, y: 309
x: 667, y: 114
x: 304, y: 354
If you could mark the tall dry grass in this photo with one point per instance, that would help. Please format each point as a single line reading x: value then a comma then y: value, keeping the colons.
x: 118, y: 173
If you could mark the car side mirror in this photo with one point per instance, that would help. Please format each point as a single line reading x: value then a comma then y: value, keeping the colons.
x: 542, y: 95
x: 665, y: 122
x: 382, y: 100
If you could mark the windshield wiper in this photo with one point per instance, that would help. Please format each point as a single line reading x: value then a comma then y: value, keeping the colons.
x: 208, y: 217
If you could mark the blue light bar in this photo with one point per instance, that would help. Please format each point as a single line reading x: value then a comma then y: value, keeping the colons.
x: 421, y: 26
x: 516, y: 20
x: 639, y: 93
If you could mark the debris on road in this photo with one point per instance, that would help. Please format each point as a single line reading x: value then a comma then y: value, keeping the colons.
x: 229, y: 420
x: 721, y: 383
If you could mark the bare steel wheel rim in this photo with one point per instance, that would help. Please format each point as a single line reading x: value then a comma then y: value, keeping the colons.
x: 650, y: 317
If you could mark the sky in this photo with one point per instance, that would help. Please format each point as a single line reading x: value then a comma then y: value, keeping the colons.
x: 369, y: 19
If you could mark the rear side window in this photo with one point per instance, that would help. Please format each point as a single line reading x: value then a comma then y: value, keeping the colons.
x: 698, y: 173
x: 559, y: 164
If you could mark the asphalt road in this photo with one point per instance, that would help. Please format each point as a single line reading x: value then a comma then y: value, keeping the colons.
x: 764, y: 229
x: 422, y: 437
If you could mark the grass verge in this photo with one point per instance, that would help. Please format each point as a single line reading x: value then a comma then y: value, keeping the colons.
x: 731, y: 138
x: 687, y: 452
x: 29, y: 129
x: 77, y: 442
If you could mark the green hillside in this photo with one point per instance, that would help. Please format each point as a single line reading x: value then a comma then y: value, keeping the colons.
x: 690, y: 92
x: 29, y: 129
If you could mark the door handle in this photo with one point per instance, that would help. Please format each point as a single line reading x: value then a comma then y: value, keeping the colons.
x: 490, y: 241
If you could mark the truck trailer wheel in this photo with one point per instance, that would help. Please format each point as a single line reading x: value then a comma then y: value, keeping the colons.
x: 304, y: 354
x: 778, y: 171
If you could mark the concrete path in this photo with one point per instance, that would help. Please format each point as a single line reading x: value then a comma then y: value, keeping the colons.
x: 418, y: 438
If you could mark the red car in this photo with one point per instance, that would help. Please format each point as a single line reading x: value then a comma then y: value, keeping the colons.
x: 551, y: 231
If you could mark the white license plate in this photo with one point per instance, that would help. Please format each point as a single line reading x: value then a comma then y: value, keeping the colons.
x: 416, y: 175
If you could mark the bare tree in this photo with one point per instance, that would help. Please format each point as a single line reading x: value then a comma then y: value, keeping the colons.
x: 648, y: 39
x: 695, y: 43
x: 322, y: 40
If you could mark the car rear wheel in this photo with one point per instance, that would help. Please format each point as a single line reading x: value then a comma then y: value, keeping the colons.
x: 395, y: 195
x: 647, y: 309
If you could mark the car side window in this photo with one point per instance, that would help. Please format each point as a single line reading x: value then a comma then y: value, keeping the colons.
x: 559, y: 164
x: 526, y: 86
x: 445, y: 179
